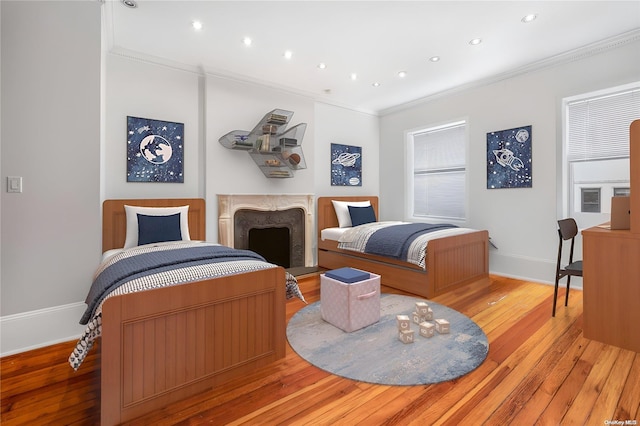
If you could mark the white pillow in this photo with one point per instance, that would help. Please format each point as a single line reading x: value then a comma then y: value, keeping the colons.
x: 342, y: 211
x: 131, y: 239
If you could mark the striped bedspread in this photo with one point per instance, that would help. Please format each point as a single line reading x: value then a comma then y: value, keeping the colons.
x: 148, y: 267
x: 412, y: 247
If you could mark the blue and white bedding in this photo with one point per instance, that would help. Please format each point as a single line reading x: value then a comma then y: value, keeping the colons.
x: 161, y: 265
x: 398, y: 240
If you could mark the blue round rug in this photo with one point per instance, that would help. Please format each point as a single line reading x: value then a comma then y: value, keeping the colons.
x: 375, y: 355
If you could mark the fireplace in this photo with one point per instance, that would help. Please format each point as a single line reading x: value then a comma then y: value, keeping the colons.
x: 279, y: 227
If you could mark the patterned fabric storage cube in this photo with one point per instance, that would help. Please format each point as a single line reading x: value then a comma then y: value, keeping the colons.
x: 350, y: 306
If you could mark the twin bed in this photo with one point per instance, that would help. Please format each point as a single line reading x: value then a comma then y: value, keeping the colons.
x: 167, y: 343
x: 454, y: 257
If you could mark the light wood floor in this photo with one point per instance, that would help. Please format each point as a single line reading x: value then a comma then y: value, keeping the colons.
x: 539, y: 370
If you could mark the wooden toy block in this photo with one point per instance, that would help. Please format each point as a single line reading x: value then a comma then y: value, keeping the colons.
x: 403, y: 321
x: 422, y: 308
x: 417, y: 318
x: 442, y: 326
x: 405, y: 336
x: 428, y: 316
x: 427, y: 329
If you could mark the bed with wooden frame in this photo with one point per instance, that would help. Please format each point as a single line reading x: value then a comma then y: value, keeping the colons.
x: 451, y: 262
x: 163, y: 345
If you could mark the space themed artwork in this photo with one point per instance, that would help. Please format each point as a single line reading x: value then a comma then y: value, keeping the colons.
x: 509, y: 162
x: 346, y: 165
x: 155, y: 150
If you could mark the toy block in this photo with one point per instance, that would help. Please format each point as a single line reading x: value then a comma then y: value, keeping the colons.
x: 417, y: 318
x: 405, y: 336
x: 427, y: 329
x: 422, y: 308
x: 428, y: 316
x: 442, y: 326
x: 403, y: 321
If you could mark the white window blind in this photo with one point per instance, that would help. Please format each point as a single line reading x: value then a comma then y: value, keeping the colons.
x: 598, y: 127
x: 439, y: 172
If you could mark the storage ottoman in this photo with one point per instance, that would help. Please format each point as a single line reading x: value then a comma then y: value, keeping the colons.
x: 350, y: 298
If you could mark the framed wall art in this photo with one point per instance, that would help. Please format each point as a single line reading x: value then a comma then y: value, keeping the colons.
x: 155, y: 150
x: 509, y: 161
x: 346, y: 165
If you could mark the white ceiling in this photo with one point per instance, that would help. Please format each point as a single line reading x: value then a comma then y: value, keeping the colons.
x: 375, y: 39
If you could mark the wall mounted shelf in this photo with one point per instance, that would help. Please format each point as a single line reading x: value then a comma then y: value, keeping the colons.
x: 275, y: 150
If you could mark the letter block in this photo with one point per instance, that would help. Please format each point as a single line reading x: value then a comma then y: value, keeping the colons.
x: 403, y: 321
x: 427, y: 329
x: 405, y: 336
x: 428, y: 316
x: 422, y: 308
x: 442, y: 326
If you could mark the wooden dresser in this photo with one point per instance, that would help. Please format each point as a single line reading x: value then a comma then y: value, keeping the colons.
x: 611, y: 281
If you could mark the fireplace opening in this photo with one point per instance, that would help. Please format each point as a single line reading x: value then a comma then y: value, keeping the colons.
x: 271, y: 243
x: 276, y: 235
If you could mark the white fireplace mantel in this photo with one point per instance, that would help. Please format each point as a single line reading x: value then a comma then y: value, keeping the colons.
x: 229, y: 204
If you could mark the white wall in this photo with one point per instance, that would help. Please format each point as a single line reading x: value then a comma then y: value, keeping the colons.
x: 521, y: 222
x: 142, y: 89
x: 348, y: 127
x: 51, y: 138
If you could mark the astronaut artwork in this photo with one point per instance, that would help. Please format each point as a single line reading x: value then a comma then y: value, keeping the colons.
x: 509, y: 162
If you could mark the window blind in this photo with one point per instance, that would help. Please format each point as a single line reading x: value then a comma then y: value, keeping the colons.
x: 439, y: 171
x: 598, y: 128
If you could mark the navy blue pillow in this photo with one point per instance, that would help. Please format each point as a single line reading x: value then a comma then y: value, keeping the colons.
x: 157, y: 229
x: 361, y: 215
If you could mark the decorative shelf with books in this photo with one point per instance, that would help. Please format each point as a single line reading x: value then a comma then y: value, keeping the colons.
x: 275, y: 150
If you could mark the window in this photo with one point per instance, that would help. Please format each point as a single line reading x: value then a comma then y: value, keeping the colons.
x: 436, y: 164
x: 621, y: 192
x: 590, y: 200
x: 596, y: 151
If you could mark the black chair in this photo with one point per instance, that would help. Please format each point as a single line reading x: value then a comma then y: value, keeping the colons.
x: 567, y: 230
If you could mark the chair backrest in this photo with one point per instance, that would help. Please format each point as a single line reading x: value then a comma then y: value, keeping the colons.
x: 567, y: 228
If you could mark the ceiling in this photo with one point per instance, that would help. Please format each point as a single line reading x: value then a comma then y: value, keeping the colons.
x: 374, y: 39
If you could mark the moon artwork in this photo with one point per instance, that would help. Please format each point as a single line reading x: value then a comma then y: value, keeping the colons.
x: 346, y: 165
x: 509, y: 158
x: 155, y: 150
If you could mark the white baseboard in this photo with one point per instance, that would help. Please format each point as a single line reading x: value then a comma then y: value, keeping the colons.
x: 36, y: 329
x: 528, y: 268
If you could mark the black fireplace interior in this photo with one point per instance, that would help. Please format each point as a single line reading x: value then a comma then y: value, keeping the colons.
x: 276, y: 235
x: 272, y: 243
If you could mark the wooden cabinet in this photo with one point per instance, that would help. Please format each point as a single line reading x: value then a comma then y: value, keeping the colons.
x: 611, y: 281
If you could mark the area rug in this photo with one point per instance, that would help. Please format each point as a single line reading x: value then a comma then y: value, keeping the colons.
x: 374, y: 354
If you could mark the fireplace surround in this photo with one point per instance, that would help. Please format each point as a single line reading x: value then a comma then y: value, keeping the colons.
x: 238, y: 214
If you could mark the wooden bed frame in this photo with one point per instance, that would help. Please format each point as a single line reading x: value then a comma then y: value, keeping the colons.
x: 452, y: 262
x: 163, y: 345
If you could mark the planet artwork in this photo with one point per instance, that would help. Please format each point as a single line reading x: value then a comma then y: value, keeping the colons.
x: 346, y: 165
x: 509, y: 159
x: 155, y: 150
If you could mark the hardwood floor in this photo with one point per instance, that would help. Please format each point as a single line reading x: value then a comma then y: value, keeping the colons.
x: 539, y: 370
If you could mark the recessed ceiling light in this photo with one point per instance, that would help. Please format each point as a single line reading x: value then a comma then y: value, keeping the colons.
x: 475, y: 41
x: 434, y: 58
x: 247, y: 41
x: 354, y: 76
x: 376, y: 84
x: 322, y: 65
x: 529, y: 18
x: 402, y: 74
x: 288, y: 54
x: 130, y: 3
x: 197, y: 25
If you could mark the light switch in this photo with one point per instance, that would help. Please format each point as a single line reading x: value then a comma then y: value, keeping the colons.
x: 14, y: 183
